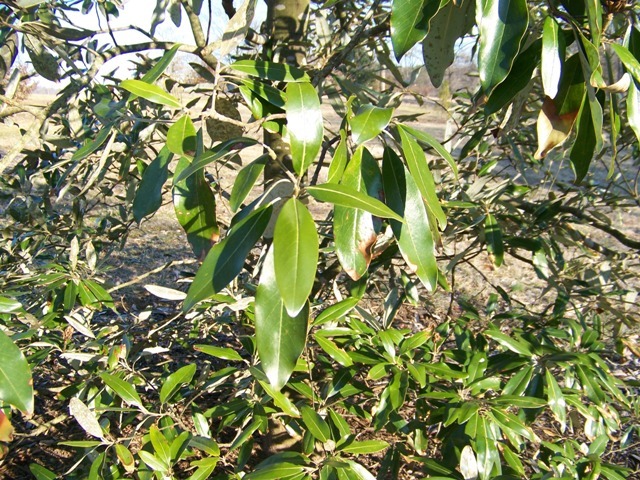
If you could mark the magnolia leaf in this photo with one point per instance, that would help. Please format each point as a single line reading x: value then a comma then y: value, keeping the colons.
x: 165, y: 293
x: 278, y: 72
x: 553, y: 48
x: 150, y: 92
x: 245, y: 181
x: 453, y: 21
x: 124, y: 390
x: 346, y: 196
x: 15, y: 376
x: 585, y: 143
x: 173, y: 382
x: 148, y: 197
x: 493, y: 238
x: 280, y: 337
x: 85, y: 417
x: 502, y: 24
x: 295, y: 244
x: 181, y: 137
x: 369, y: 122
x: 410, y: 22
x: 633, y: 108
x: 236, y: 31
x: 304, y: 124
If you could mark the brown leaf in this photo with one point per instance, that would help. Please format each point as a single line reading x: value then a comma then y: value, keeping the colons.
x: 553, y: 129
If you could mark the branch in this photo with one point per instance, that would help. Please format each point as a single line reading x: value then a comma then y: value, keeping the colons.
x: 196, y: 26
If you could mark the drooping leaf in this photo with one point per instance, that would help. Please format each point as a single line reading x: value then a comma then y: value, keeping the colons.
x: 368, y: 122
x: 278, y: 72
x: 355, y: 230
x: 304, y: 124
x: 346, y: 196
x: 419, y: 169
x: 174, y: 381
x: 181, y: 137
x: 195, y: 207
x: 553, y: 49
x: 280, y: 337
x: 150, y: 92
x: 486, y: 448
x: 585, y: 143
x: 502, y: 25
x: 414, y: 235
x: 295, y: 244
x: 453, y: 21
x: 44, y: 62
x: 410, y: 22
x: 493, y: 237
x: 124, y: 390
x: 148, y: 197
x: 633, y: 108
x: 557, y: 403
x: 424, y: 137
x: 630, y: 62
x: 245, y: 181
x: 15, y: 376
x: 226, y: 259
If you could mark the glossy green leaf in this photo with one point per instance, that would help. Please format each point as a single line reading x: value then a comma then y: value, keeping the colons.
x: 279, y: 72
x: 442, y: 370
x: 295, y: 243
x: 518, y: 401
x: 124, y: 390
x: 508, y: 421
x: 364, y: 447
x: 346, y: 196
x: 630, y: 62
x: 585, y: 142
x: 339, y: 160
x: 454, y: 20
x: 245, y: 181
x: 148, y: 197
x: 9, y: 305
x: 226, y: 259
x: 174, y: 381
x: 518, y: 346
x: 419, y: 169
x: 590, y: 385
x: 93, y: 145
x: 42, y: 473
x: 280, y: 400
x: 410, y: 22
x: 304, y: 124
x: 195, y: 207
x: 414, y: 235
x: 519, y: 383
x: 150, y: 92
x: 368, y: 122
x: 357, y: 471
x: 161, y: 65
x: 15, y: 376
x: 125, y: 457
x: 553, y: 49
x: 633, y: 108
x: 275, y: 471
x: 427, y: 139
x: 181, y: 137
x: 594, y: 14
x: 212, y: 155
x: 502, y: 25
x: 266, y: 92
x: 224, y: 353
x: 280, y: 337
x: 493, y: 237
x: 557, y: 403
x: 486, y: 448
x: 318, y: 427
x: 153, y: 462
x: 336, y: 311
x: 335, y: 352
x: 161, y: 446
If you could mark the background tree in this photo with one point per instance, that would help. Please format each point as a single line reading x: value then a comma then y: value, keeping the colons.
x: 343, y: 338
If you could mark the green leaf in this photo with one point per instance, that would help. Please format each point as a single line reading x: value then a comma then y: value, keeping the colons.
x: 453, y: 21
x: 152, y: 461
x: 346, y: 196
x: 365, y: 447
x: 493, y: 237
x: 336, y: 311
x: 275, y: 471
x: 266, y: 92
x: 631, y: 63
x: 442, y: 370
x: 278, y: 72
x: 124, y: 390
x: 195, y: 207
x: 304, y: 124
x: 9, y: 305
x: 553, y: 49
x: 509, y: 422
x: 161, y: 65
x: 245, y: 181
x: 369, y: 122
x: 125, y: 457
x: 160, y: 446
x: 92, y: 146
x: 518, y: 384
x: 518, y: 346
x: 424, y: 137
x: 335, y: 352
x: 226, y: 259
x: 280, y: 400
x: 357, y: 471
x: 219, y: 352
x: 174, y: 381
x: 585, y: 142
x: 315, y: 424
x: 414, y: 235
x: 633, y: 108
x: 214, y: 154
x: 280, y: 337
x: 181, y: 137
x: 339, y: 160
x: 518, y: 401
x: 295, y: 244
x: 42, y: 473
x: 419, y: 169
x: 502, y: 25
x: 15, y: 376
x: 148, y: 197
x: 150, y: 92
x: 410, y: 22
x: 557, y: 403
x: 486, y: 449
